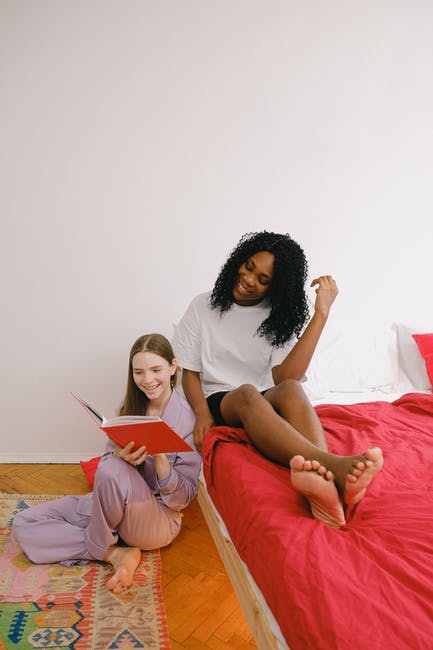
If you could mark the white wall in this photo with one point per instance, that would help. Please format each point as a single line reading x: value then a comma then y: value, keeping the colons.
x: 141, y: 139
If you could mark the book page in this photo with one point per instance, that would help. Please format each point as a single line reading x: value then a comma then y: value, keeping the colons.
x: 120, y: 420
x: 94, y: 414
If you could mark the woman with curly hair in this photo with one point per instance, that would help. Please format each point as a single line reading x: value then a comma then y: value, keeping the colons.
x: 245, y: 348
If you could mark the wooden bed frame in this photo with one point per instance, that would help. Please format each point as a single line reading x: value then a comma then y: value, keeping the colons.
x: 257, y: 618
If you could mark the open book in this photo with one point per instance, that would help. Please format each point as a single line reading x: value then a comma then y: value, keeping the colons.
x: 148, y: 430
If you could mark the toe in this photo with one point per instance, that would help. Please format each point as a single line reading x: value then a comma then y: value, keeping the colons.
x: 297, y: 463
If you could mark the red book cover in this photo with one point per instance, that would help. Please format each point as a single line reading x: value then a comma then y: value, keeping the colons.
x: 154, y: 433
x: 157, y: 436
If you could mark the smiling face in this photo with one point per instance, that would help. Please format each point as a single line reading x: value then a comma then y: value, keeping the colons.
x: 152, y: 374
x: 254, y: 279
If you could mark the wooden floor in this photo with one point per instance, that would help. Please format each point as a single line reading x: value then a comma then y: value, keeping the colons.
x: 202, y: 609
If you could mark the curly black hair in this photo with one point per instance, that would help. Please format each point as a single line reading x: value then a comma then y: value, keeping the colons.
x: 288, y: 301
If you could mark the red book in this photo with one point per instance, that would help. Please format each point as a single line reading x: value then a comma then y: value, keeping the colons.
x: 148, y: 430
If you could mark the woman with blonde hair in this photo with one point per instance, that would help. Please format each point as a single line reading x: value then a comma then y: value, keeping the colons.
x: 137, y: 498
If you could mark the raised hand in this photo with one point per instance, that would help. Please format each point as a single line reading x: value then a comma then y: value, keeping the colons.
x: 326, y: 293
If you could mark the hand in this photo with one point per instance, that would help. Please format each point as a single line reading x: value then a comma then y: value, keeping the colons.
x: 326, y: 293
x: 202, y: 425
x: 132, y: 457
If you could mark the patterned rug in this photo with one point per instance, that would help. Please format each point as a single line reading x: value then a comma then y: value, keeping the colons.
x: 52, y: 606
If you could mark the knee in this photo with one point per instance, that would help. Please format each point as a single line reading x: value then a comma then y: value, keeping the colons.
x: 248, y: 394
x: 109, y: 467
x: 290, y: 389
x: 289, y: 385
x: 113, y: 477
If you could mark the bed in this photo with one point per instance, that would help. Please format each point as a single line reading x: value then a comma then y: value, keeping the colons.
x: 368, y: 584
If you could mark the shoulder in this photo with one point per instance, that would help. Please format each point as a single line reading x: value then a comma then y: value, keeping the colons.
x: 180, y: 403
x: 198, y: 308
x: 201, y: 301
x: 178, y: 414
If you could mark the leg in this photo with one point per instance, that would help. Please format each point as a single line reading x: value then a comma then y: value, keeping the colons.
x: 280, y: 441
x: 124, y: 503
x: 290, y: 402
x: 270, y: 432
x: 54, y: 531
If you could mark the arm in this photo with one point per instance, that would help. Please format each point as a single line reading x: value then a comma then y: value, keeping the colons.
x: 173, y: 477
x: 195, y: 396
x: 179, y: 487
x: 297, y: 361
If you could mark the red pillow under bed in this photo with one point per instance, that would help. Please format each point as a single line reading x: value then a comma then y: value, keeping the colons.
x: 89, y: 468
x: 425, y: 346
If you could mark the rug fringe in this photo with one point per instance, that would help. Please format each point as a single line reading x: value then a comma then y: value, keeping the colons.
x: 18, y: 495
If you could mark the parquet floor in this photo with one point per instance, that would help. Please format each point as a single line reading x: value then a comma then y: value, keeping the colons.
x: 202, y: 609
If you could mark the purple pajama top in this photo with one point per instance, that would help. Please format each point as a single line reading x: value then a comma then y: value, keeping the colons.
x: 177, y: 490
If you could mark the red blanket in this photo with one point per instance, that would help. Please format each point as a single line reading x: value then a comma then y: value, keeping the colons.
x: 366, y: 585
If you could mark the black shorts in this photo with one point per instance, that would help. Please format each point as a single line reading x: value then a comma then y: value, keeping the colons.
x: 214, y: 404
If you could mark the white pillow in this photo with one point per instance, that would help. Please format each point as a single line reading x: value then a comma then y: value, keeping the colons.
x: 354, y: 359
x: 409, y: 357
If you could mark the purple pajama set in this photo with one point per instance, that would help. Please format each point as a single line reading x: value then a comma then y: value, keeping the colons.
x: 127, y: 501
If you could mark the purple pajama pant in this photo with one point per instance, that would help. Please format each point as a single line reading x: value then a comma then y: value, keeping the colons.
x: 80, y: 528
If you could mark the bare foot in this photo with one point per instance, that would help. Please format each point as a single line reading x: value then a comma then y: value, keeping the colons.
x: 125, y: 560
x: 316, y: 483
x: 361, y: 475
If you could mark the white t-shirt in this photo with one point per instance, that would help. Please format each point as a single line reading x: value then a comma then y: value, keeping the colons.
x: 225, y: 348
